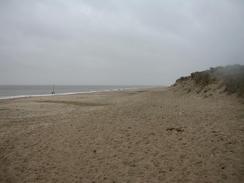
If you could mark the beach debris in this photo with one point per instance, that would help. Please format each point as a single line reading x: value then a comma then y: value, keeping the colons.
x: 180, y: 129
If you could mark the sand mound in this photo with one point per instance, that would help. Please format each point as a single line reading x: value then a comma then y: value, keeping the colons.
x: 218, y: 80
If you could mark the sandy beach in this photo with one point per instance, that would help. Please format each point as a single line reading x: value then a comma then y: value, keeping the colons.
x: 147, y: 135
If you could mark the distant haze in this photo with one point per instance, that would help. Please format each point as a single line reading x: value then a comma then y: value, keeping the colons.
x: 116, y: 42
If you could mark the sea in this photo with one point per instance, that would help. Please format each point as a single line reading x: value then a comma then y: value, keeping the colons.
x: 18, y: 91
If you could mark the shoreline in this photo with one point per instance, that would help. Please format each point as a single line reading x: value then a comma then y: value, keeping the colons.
x: 72, y: 93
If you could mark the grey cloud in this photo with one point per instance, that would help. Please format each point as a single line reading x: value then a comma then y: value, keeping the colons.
x: 116, y: 42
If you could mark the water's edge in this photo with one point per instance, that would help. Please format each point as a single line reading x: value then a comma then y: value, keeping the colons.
x: 68, y: 93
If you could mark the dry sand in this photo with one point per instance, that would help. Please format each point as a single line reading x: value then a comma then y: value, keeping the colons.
x: 151, y: 135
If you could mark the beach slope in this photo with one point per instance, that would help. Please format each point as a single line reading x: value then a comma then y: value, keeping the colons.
x: 151, y: 135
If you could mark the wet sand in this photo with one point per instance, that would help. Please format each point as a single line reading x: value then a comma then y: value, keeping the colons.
x: 153, y: 135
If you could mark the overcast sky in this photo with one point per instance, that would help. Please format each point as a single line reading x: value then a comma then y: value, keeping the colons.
x: 116, y: 42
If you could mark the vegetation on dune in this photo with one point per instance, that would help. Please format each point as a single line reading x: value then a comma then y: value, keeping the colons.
x: 233, y: 78
x: 230, y: 77
x: 202, y: 78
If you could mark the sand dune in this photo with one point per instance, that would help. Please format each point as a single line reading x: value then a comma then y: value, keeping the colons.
x: 154, y: 135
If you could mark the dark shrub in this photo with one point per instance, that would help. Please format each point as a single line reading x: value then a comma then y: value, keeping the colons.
x: 201, y: 78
